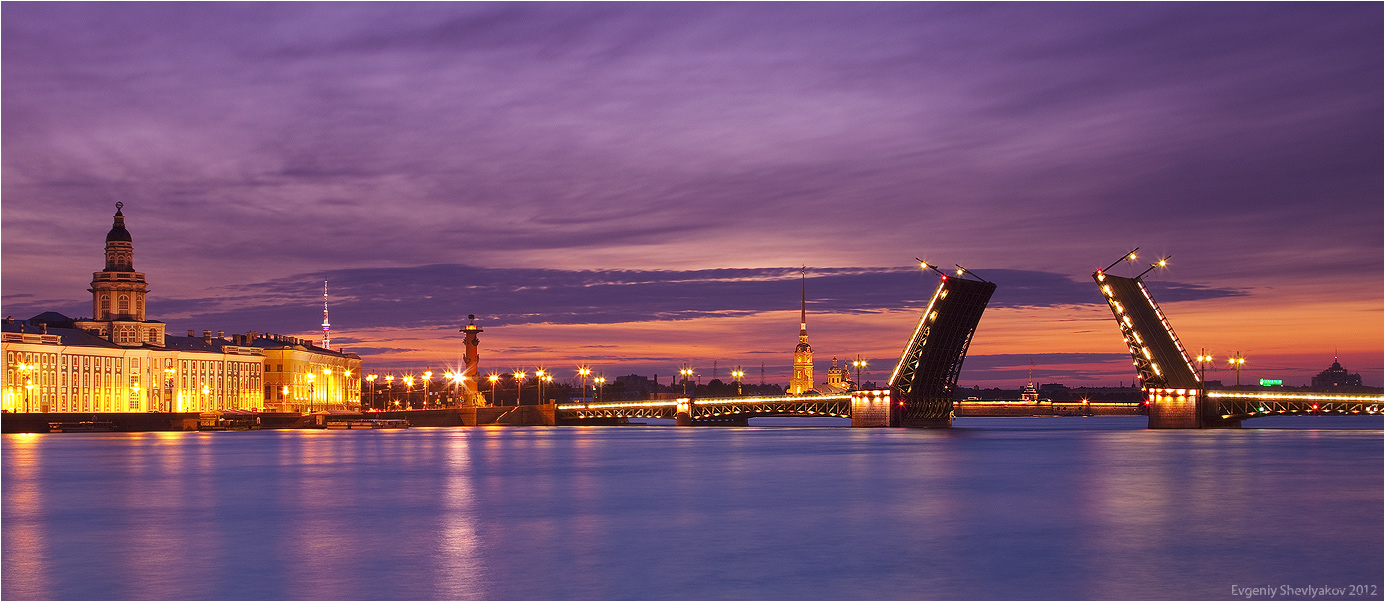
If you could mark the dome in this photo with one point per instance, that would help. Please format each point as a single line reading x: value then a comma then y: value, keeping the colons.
x: 118, y: 232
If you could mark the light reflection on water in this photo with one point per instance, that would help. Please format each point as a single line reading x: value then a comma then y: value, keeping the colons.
x: 996, y: 508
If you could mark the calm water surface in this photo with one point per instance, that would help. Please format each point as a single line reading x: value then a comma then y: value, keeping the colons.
x: 1067, y: 508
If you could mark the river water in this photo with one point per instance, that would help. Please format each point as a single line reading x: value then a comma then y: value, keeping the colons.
x: 1028, y: 508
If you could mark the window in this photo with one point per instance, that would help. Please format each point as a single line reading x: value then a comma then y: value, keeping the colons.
x: 124, y: 304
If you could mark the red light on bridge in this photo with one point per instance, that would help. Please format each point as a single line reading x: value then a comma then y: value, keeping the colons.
x: 1315, y: 408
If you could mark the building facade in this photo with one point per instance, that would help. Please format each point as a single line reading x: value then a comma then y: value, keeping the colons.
x: 120, y: 361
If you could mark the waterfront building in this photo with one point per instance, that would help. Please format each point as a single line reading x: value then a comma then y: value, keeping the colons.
x: 802, y: 379
x: 839, y: 380
x: 1335, y: 376
x: 119, y: 361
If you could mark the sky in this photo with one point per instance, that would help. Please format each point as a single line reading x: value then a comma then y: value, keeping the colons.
x: 636, y: 186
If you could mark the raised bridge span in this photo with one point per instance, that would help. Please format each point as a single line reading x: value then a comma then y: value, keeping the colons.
x: 1176, y: 392
x: 921, y: 386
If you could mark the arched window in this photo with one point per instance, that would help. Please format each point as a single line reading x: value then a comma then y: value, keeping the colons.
x: 105, y: 306
x: 124, y: 304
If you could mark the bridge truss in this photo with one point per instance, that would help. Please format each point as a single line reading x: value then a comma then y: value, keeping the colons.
x: 1176, y: 393
x: 923, y: 381
x: 711, y: 410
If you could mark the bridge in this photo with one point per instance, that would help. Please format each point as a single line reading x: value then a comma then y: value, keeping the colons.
x: 709, y: 411
x: 921, y: 386
x: 1175, y: 392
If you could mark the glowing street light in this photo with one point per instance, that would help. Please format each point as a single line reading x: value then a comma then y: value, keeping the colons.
x: 309, y: 377
x: 408, y: 389
x: 600, y: 381
x: 168, y: 387
x: 370, y: 379
x: 1203, y: 358
x: 519, y: 382
x: 859, y: 363
x: 539, y: 382
x: 427, y: 377
x: 686, y: 372
x: 584, y: 372
x: 737, y: 374
x: 1237, y: 363
x: 493, y: 378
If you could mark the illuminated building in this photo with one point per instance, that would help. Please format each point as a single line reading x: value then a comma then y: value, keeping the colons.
x: 802, y: 380
x: 839, y: 380
x: 1335, y: 376
x: 118, y: 361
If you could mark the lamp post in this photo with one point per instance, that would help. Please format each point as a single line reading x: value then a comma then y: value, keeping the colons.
x: 584, y: 372
x: 284, y: 393
x: 539, y: 382
x: 205, y: 392
x: 427, y: 376
x: 859, y: 364
x: 326, y: 388
x: 737, y: 374
x: 26, y: 372
x: 519, y: 383
x: 600, y: 381
x: 135, y: 389
x: 390, y: 386
x: 310, y: 377
x: 1203, y: 358
x: 1237, y: 363
x: 493, y: 378
x: 451, y: 376
x: 168, y: 387
x: 371, y: 380
x: 686, y: 372
x: 408, y: 390
x: 549, y: 379
x: 346, y: 387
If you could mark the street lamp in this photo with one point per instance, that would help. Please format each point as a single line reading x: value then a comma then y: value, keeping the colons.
x: 583, y: 372
x: 493, y: 378
x: 284, y: 393
x: 600, y: 381
x: 309, y: 377
x: 539, y: 381
x: 346, y: 387
x: 326, y: 387
x: 427, y: 376
x: 859, y: 364
x: 27, y: 371
x: 737, y: 374
x: 519, y: 382
x: 408, y: 389
x: 168, y: 386
x: 390, y: 385
x: 686, y: 372
x: 1237, y: 363
x: 136, y: 389
x: 1203, y: 358
x: 371, y: 380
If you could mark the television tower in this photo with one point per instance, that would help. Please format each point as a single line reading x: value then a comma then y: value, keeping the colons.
x: 326, y: 334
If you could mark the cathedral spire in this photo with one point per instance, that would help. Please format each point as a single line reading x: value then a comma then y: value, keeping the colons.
x: 803, y: 305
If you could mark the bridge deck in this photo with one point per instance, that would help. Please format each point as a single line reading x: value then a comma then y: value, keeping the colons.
x: 712, y: 409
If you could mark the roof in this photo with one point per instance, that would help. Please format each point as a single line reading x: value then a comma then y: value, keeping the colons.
x: 118, y: 232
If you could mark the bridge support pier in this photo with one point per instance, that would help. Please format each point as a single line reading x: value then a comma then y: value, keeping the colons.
x: 1185, y: 409
x: 683, y: 412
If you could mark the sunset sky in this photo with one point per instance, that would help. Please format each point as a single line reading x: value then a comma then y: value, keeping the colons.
x: 635, y: 186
